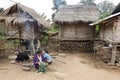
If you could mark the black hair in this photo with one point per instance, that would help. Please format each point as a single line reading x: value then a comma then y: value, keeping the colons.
x: 45, y: 50
x: 39, y: 52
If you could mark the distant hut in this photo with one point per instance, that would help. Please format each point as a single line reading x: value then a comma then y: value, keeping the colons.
x: 110, y: 31
x: 24, y: 24
x: 74, y: 30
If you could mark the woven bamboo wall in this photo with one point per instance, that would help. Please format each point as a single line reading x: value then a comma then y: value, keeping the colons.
x: 106, y: 32
x: 117, y: 31
x: 25, y: 32
x: 76, y: 31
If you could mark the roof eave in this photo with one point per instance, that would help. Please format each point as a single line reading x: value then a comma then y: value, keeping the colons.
x: 106, y: 18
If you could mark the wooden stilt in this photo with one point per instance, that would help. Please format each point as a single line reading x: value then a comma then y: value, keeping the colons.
x: 59, y: 47
x: 14, y: 45
x: 113, y: 58
x: 39, y: 44
x: 33, y: 46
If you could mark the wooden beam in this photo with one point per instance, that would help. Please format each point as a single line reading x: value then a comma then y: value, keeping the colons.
x: 113, y: 58
x: 14, y: 34
x: 109, y: 23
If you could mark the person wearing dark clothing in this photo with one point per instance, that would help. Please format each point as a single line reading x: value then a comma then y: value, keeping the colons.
x: 37, y: 59
x: 38, y: 64
x: 21, y: 56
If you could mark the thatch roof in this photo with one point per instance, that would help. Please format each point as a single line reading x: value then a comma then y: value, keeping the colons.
x: 117, y: 9
x: 77, y: 13
x: 102, y: 20
x: 19, y: 14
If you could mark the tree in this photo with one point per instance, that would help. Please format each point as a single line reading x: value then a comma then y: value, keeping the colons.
x: 106, y: 6
x: 1, y: 9
x: 103, y: 15
x: 44, y: 16
x: 57, y: 3
x: 86, y: 1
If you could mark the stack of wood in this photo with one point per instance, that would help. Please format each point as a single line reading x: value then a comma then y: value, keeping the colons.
x: 103, y: 52
x: 76, y: 45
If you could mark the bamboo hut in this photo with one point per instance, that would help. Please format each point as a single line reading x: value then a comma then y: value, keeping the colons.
x: 24, y: 24
x: 110, y: 31
x: 74, y: 30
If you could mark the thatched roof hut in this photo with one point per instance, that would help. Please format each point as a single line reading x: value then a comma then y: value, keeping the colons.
x: 109, y: 26
x: 109, y: 33
x: 77, y: 13
x: 15, y: 11
x: 24, y: 24
x: 73, y: 22
x: 18, y: 16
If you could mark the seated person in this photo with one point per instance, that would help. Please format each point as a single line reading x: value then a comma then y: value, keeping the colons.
x: 46, y: 57
x: 21, y: 57
x: 37, y: 61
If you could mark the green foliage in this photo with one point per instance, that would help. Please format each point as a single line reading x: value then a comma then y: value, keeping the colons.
x: 57, y: 3
x: 2, y: 28
x: 97, y: 30
x: 86, y: 1
x: 42, y: 68
x: 106, y: 6
x: 45, y: 40
x: 53, y: 29
x: 1, y: 9
x: 104, y: 15
x: 43, y: 15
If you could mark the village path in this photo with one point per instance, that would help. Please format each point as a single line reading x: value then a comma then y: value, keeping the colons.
x: 77, y: 67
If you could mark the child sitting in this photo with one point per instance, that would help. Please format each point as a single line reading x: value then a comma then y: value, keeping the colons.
x: 46, y: 57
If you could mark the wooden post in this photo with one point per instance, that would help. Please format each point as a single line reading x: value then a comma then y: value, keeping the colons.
x: 113, y: 58
x: 39, y: 44
x: 32, y: 46
x: 14, y: 45
x: 60, y: 35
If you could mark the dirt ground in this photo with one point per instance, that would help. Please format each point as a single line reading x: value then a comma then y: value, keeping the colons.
x: 79, y: 66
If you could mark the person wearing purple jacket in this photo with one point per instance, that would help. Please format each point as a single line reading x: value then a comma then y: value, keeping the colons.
x: 37, y: 59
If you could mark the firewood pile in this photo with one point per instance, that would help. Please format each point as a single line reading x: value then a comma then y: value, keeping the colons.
x: 103, y: 52
x: 76, y: 45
